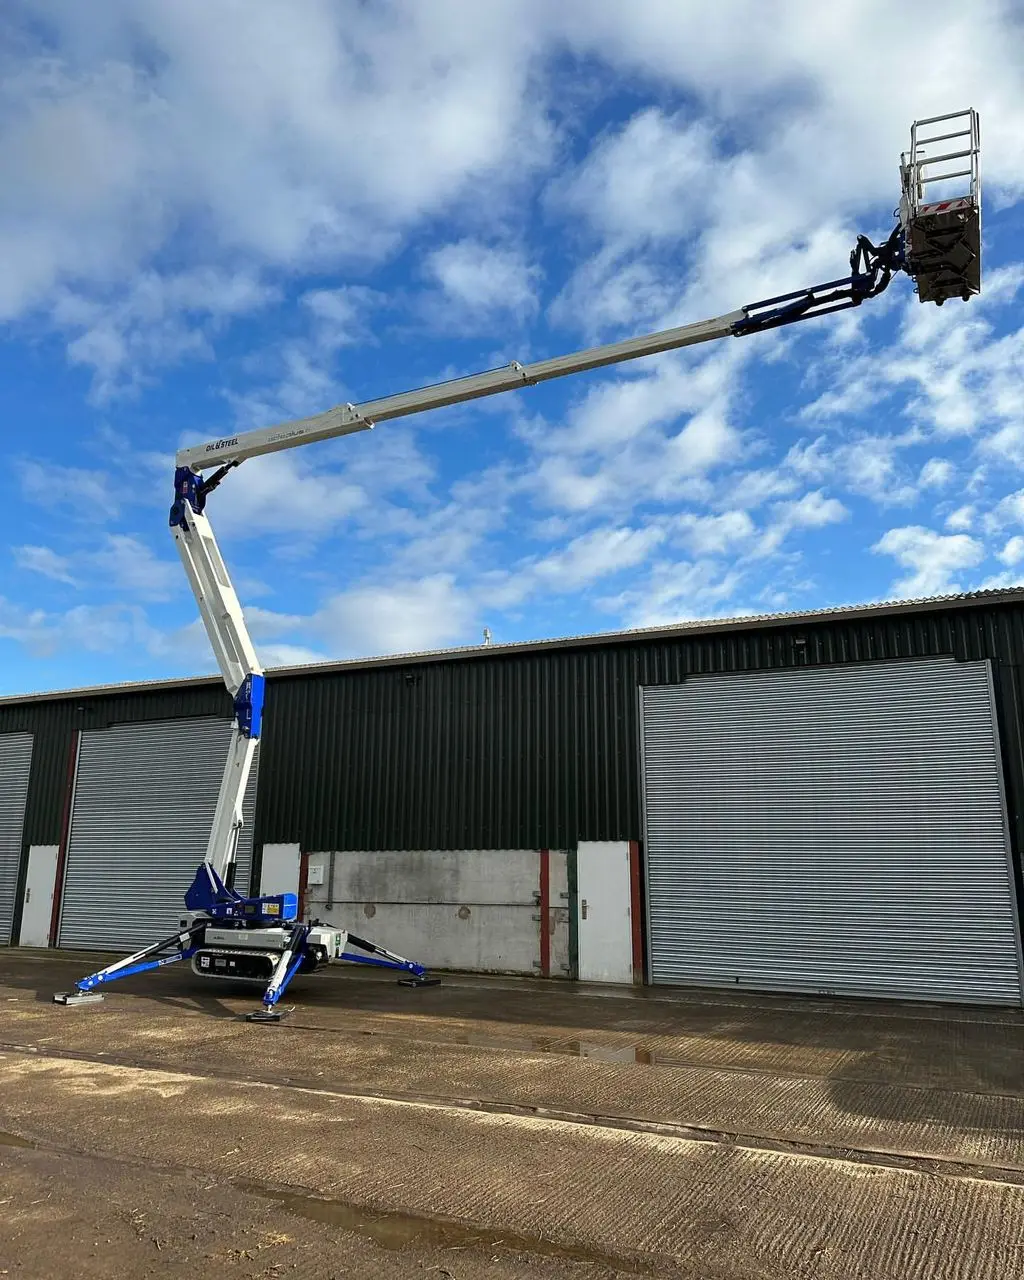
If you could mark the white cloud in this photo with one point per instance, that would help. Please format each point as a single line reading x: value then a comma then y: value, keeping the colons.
x: 1013, y: 552
x: 649, y: 436
x: 159, y: 320
x: 90, y: 493
x: 750, y: 489
x: 44, y: 561
x: 327, y: 137
x: 584, y: 560
x: 304, y: 384
x: 127, y: 564
x: 127, y: 631
x: 961, y: 520
x: 870, y: 465
x: 933, y: 558
x: 331, y: 133
x: 643, y: 181
x: 293, y: 142
x: 298, y: 498
x: 172, y: 169
x: 296, y: 376
x: 289, y: 655
x: 152, y: 134
x: 780, y: 72
x: 267, y: 625
x: 801, y: 157
x: 719, y: 534
x: 675, y: 591
x: 811, y: 511
x: 341, y: 314
x: 104, y: 629
x: 400, y: 617
x: 447, y: 536
x: 609, y: 293
x: 956, y: 378
x: 477, y: 280
x: 936, y: 473
x: 595, y: 554
x: 305, y: 499
x: 1009, y: 510
x: 119, y: 563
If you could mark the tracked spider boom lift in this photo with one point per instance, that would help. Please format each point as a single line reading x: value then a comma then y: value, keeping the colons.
x: 227, y: 935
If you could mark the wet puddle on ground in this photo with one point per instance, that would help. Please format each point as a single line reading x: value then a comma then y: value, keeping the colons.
x: 632, y: 1053
x: 12, y: 1140
x: 400, y: 1230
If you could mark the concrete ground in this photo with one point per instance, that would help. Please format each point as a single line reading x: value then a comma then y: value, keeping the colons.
x: 493, y: 1127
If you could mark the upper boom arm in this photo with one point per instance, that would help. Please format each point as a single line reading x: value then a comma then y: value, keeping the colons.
x: 871, y: 267
x: 346, y: 419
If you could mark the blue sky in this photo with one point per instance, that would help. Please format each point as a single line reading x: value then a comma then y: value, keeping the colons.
x: 218, y: 217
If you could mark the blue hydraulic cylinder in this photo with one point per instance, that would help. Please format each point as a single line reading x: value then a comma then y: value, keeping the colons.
x: 249, y: 705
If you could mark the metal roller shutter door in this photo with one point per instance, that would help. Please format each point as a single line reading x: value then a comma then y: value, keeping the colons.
x: 835, y: 830
x: 143, y: 806
x: 15, y: 764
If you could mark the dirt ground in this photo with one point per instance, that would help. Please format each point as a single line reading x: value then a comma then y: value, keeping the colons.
x: 498, y: 1127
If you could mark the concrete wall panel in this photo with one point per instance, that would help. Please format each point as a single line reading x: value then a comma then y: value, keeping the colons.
x: 475, y: 909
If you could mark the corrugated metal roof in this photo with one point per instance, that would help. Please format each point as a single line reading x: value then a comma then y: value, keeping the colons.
x: 924, y: 604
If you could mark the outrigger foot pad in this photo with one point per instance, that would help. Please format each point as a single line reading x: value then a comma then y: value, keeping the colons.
x: 267, y: 1015
x: 420, y: 981
x: 77, y: 997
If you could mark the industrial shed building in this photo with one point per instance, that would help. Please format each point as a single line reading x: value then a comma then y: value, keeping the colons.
x: 824, y: 802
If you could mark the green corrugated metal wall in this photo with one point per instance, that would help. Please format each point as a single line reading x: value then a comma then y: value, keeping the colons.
x: 503, y: 750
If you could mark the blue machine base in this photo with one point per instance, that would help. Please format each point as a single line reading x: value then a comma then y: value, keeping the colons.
x: 209, y: 896
x: 208, y: 893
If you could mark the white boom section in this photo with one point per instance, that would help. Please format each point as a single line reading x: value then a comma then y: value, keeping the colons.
x: 346, y: 419
x: 236, y: 657
x: 222, y: 847
x: 218, y: 604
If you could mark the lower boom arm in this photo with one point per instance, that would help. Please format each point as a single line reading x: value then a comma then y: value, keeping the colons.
x: 233, y: 648
x: 226, y: 934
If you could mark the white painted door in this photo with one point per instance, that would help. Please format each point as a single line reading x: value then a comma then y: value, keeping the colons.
x: 279, y: 872
x: 605, y: 932
x: 37, y: 905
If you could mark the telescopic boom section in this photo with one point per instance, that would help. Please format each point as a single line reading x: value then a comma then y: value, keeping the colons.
x: 346, y: 419
x: 871, y: 267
